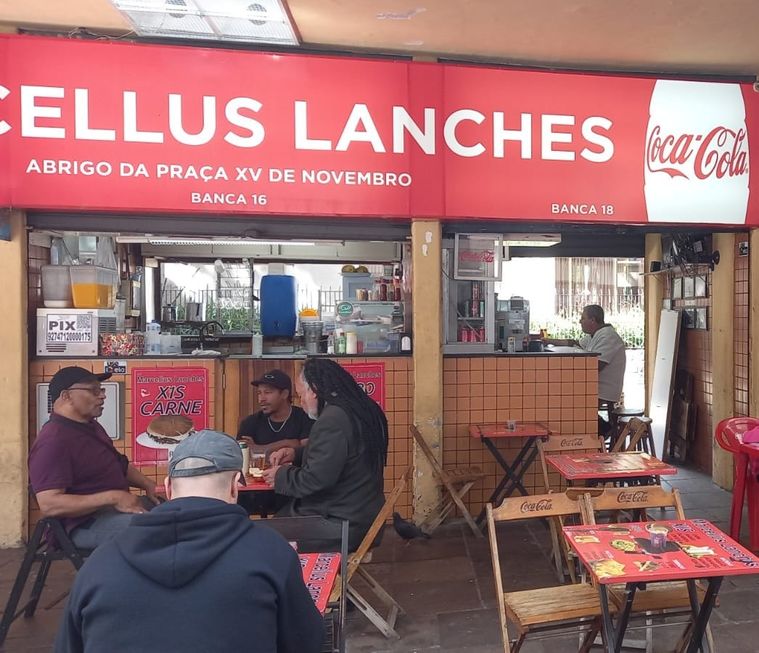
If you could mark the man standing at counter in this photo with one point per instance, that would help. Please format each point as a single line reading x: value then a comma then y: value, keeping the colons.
x: 75, y: 471
x: 601, y: 338
x: 278, y: 423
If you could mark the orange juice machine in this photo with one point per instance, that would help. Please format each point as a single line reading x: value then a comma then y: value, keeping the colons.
x: 72, y: 331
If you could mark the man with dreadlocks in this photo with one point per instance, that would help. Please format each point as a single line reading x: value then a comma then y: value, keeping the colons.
x: 338, y: 474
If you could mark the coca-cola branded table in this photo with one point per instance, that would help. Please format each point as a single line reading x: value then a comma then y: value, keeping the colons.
x: 613, y: 466
x: 514, y: 472
x: 638, y: 553
x: 319, y: 573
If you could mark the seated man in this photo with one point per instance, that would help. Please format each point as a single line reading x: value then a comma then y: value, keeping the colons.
x: 195, y: 574
x: 277, y: 424
x: 74, y: 469
x: 602, y: 339
x: 338, y: 474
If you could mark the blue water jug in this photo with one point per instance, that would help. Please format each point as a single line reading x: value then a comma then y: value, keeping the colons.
x: 278, y: 306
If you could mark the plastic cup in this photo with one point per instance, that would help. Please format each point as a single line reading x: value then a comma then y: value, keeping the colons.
x: 658, y: 538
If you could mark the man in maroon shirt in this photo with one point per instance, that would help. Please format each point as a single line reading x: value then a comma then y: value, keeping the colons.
x: 75, y: 471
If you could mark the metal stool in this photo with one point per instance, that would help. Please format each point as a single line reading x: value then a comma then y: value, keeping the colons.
x: 48, y: 542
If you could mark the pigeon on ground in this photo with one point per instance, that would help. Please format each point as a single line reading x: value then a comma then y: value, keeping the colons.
x: 406, y: 529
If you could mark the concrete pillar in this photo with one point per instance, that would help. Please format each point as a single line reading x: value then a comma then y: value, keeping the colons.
x: 427, y: 309
x: 14, y: 384
x: 723, y: 367
x: 653, y: 289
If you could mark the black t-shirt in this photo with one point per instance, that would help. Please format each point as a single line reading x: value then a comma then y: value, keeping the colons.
x: 259, y: 427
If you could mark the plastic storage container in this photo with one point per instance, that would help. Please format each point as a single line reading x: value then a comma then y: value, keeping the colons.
x: 278, y: 306
x: 56, y: 286
x: 93, y: 286
x: 153, y: 339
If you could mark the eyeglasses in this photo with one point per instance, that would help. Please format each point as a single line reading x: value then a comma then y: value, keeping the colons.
x: 100, y: 390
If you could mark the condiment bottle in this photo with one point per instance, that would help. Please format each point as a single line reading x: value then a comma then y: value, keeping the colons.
x: 245, y: 458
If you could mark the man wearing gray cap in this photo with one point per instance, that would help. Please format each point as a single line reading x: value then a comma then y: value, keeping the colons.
x: 194, y: 574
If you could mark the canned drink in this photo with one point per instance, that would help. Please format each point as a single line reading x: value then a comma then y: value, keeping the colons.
x: 467, y: 308
x: 482, y: 308
x: 463, y: 334
x: 511, y: 344
x: 481, y: 334
x: 475, y: 309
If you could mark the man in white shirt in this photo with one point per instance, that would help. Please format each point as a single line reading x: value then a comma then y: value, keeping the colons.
x: 601, y: 338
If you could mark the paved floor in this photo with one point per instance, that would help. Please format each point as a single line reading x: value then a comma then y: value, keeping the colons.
x: 446, y: 587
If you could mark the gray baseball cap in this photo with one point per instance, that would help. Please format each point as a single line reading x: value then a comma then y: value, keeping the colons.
x: 205, y: 452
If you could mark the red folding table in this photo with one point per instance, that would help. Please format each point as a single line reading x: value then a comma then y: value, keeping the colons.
x: 638, y: 553
x: 613, y: 466
x: 514, y: 472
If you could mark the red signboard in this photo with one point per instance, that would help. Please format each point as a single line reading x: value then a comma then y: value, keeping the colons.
x: 319, y: 574
x: 371, y: 378
x: 659, y: 550
x: 165, y: 391
x: 146, y: 128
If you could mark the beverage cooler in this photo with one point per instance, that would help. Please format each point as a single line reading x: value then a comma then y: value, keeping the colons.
x: 470, y: 268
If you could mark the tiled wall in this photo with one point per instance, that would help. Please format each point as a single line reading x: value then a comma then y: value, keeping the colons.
x: 741, y: 323
x: 241, y: 400
x: 558, y: 391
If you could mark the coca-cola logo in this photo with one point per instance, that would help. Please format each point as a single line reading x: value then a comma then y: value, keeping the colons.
x: 476, y: 256
x: 571, y: 442
x: 632, y: 497
x: 536, y: 506
x: 722, y: 152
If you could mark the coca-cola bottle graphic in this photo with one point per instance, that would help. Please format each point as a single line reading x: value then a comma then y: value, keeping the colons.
x: 696, y: 166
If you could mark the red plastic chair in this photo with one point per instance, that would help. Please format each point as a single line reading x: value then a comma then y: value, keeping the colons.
x: 729, y: 436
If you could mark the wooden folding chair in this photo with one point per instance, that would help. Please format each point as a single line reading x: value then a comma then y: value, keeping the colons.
x: 636, y: 435
x: 548, y: 611
x: 556, y: 444
x: 456, y: 482
x: 357, y: 565
x: 665, y: 599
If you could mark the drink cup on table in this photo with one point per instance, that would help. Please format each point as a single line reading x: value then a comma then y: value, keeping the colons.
x: 658, y: 535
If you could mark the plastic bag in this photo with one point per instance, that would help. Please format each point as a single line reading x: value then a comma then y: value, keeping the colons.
x: 59, y: 253
x: 104, y: 256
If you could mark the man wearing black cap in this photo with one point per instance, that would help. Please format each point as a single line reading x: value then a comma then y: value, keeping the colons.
x: 75, y: 471
x: 195, y: 574
x: 278, y: 423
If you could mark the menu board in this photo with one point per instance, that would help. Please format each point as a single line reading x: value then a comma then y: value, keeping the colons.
x: 319, y: 574
x: 659, y: 550
x: 609, y: 465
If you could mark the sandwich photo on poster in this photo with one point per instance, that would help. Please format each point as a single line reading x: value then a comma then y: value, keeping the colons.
x: 168, y: 405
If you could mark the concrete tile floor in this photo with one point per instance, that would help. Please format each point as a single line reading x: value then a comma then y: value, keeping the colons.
x: 446, y: 587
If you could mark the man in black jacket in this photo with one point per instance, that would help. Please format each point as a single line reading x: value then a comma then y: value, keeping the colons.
x: 194, y: 574
x: 339, y: 473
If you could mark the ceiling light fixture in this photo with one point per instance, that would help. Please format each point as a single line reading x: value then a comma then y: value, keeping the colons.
x: 193, y: 242
x: 263, y: 21
x: 531, y: 240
